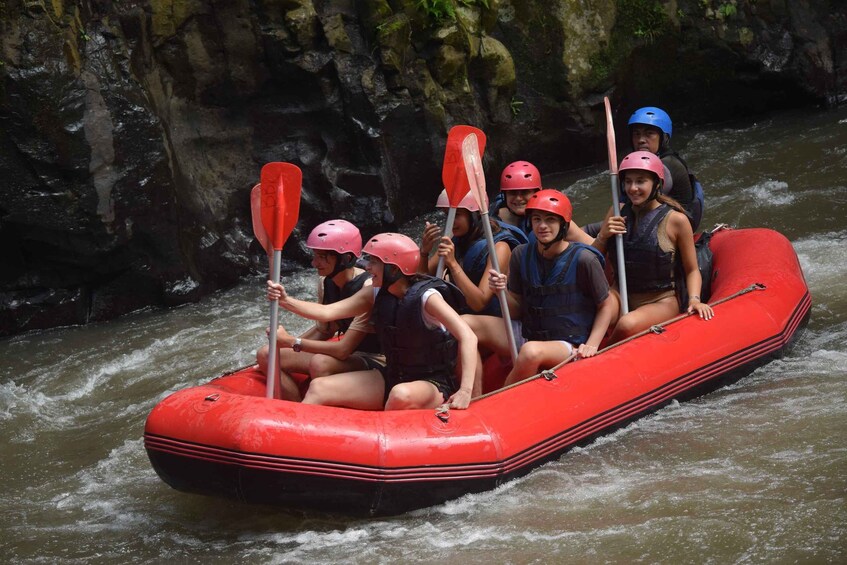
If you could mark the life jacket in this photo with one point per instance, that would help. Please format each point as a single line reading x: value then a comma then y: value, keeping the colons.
x: 332, y: 293
x: 698, y: 202
x: 412, y: 350
x: 475, y: 259
x: 521, y: 232
x: 553, y: 306
x: 648, y: 268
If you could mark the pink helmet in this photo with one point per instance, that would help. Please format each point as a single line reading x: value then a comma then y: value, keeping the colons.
x: 395, y: 249
x: 336, y: 235
x: 468, y: 202
x: 643, y: 161
x: 520, y: 175
x: 552, y: 201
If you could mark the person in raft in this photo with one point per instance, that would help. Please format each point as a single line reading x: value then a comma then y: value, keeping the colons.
x: 650, y: 129
x: 656, y: 235
x: 422, y: 335
x: 518, y: 182
x: 466, y: 253
x: 557, y: 292
x: 335, y: 246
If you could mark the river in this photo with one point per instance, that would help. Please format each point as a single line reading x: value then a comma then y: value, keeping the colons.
x: 753, y: 473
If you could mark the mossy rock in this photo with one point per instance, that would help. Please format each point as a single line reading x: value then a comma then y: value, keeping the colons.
x: 498, y: 68
x: 449, y: 66
x: 336, y: 34
x: 393, y: 38
x: 303, y: 24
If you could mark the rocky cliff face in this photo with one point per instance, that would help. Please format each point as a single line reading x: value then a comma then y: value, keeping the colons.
x: 133, y: 131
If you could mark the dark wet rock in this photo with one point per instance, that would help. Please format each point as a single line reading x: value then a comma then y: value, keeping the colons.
x: 132, y: 132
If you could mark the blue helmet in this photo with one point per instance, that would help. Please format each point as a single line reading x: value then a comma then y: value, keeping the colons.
x: 652, y: 116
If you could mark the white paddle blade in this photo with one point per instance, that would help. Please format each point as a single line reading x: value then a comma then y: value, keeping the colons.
x: 256, y: 216
x: 473, y: 168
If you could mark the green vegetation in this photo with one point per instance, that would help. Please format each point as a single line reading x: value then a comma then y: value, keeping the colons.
x: 515, y: 105
x: 437, y: 11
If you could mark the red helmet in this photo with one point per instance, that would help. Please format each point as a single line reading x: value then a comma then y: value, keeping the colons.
x: 643, y: 161
x: 520, y: 175
x: 552, y: 201
x: 395, y: 249
x: 468, y: 202
x: 336, y: 235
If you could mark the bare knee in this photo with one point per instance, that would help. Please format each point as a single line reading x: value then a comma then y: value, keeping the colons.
x: 320, y: 366
x: 401, y: 398
x: 627, y: 326
x: 531, y: 353
x: 317, y: 392
x: 262, y: 359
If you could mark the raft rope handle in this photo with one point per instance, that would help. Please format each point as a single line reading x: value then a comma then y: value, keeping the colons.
x: 656, y: 329
x: 443, y: 413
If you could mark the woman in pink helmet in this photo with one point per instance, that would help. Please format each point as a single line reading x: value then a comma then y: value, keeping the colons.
x: 466, y: 253
x: 657, y: 237
x: 518, y: 182
x: 335, y: 245
x: 422, y: 336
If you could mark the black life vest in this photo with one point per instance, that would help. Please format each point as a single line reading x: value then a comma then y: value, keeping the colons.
x: 553, y: 305
x: 695, y: 210
x: 332, y: 293
x: 412, y: 350
x: 648, y: 267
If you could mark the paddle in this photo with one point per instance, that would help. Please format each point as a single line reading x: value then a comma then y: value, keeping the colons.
x: 280, y: 205
x: 454, y: 177
x: 258, y: 229
x: 616, y: 205
x: 476, y: 180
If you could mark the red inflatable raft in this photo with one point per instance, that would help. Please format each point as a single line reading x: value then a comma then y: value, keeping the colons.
x: 225, y: 439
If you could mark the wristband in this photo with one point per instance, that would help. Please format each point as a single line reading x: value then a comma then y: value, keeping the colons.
x: 693, y: 296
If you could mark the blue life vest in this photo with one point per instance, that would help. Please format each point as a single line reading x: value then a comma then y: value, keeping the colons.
x: 332, y: 294
x: 475, y: 259
x: 412, y: 350
x: 520, y: 232
x: 553, y: 306
x: 648, y: 267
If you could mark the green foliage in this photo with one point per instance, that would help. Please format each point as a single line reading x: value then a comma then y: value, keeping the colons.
x: 437, y: 11
x: 515, y: 105
x: 727, y: 10
x: 483, y: 3
x: 643, y: 19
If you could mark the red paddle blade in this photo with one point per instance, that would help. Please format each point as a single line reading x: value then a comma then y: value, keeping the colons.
x: 610, y: 138
x: 453, y: 173
x: 472, y: 161
x: 256, y: 215
x: 281, y: 183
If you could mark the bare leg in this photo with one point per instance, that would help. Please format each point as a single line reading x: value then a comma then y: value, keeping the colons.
x: 360, y: 389
x: 534, y: 355
x: 289, y: 362
x: 323, y: 365
x: 642, y: 318
x: 415, y: 394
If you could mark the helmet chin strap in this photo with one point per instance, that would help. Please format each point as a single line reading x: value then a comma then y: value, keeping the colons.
x: 563, y: 232
x: 342, y: 261
x: 390, y: 275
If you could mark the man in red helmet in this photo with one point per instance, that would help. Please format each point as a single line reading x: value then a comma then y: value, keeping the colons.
x: 335, y: 245
x: 424, y: 339
x: 557, y: 293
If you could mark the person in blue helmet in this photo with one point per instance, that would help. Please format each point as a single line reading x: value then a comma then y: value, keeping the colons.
x: 650, y: 129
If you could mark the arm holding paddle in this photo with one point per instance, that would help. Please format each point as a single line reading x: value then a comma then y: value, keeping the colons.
x: 497, y: 283
x: 340, y: 349
x: 429, y: 239
x: 477, y: 296
x: 359, y: 303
